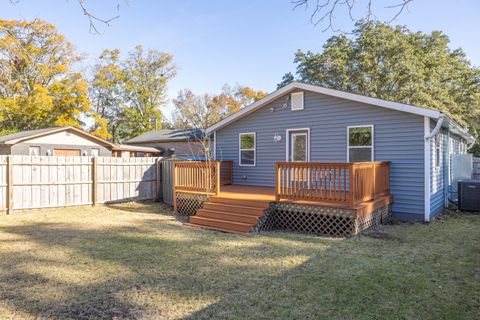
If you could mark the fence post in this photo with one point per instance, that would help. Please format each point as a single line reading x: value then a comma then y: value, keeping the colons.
x: 159, y: 181
x: 9, y: 184
x: 94, y: 180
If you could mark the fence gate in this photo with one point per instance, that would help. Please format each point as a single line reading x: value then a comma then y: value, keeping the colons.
x: 476, y: 168
x: 167, y: 166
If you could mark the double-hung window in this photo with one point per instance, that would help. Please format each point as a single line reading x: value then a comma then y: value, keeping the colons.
x: 247, y: 149
x: 360, y: 143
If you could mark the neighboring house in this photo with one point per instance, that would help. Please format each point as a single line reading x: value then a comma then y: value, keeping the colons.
x: 187, y: 143
x: 128, y: 151
x: 60, y: 141
x: 307, y: 123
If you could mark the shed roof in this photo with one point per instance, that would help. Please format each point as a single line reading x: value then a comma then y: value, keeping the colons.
x: 30, y: 134
x: 127, y: 147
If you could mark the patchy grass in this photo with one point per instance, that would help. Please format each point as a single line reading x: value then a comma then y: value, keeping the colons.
x: 131, y: 261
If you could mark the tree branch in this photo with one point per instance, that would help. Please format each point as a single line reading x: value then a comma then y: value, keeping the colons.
x: 93, y: 18
x: 324, y: 10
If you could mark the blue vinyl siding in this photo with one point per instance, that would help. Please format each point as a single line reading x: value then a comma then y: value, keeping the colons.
x: 440, y: 177
x: 398, y: 137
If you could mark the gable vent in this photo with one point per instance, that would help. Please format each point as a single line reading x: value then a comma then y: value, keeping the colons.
x: 297, y: 100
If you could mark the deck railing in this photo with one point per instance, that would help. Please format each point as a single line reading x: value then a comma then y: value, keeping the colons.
x: 341, y: 183
x: 201, y: 177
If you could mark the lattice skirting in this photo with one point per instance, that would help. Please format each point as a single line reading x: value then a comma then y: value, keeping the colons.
x: 318, y: 220
x: 188, y: 203
x: 373, y: 220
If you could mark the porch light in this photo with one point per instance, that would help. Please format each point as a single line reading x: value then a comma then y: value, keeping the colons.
x: 277, y: 138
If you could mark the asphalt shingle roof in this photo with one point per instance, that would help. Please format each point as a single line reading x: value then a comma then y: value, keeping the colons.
x: 24, y: 134
x: 168, y: 135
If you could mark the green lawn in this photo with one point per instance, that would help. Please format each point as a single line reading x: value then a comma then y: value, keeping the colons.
x: 132, y: 261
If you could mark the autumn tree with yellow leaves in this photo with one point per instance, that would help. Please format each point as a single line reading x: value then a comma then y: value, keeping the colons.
x: 38, y: 84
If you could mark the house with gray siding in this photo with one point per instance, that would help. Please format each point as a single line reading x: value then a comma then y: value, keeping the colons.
x: 307, y: 123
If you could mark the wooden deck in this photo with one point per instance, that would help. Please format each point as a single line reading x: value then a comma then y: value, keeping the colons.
x: 355, y: 189
x: 237, y: 208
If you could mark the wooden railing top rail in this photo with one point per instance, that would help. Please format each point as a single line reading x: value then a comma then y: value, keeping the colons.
x: 322, y: 164
x: 345, y: 182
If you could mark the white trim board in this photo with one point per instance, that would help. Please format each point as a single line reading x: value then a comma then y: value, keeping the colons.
x: 427, y: 173
x: 373, y: 140
x: 287, y: 139
x: 330, y: 92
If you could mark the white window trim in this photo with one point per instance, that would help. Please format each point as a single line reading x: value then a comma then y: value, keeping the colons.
x: 98, y: 151
x: 360, y: 147
x: 36, y: 148
x: 240, y: 149
x: 438, y: 165
x: 427, y: 159
x: 287, y: 147
x: 300, y: 93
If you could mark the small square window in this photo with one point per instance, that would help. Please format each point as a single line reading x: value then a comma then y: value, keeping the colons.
x: 297, y: 101
x: 33, y: 151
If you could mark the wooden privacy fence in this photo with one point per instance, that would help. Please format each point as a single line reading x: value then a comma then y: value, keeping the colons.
x: 341, y: 183
x: 31, y: 182
x: 476, y: 168
x: 201, y: 177
x: 167, y: 166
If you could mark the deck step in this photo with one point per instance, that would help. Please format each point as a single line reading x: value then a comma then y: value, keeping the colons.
x: 241, y: 202
x: 230, y: 208
x: 226, y: 216
x: 222, y: 224
x: 213, y: 228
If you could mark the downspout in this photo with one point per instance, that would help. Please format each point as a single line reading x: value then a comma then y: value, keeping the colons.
x: 428, y: 161
x: 470, y: 146
x: 437, y: 128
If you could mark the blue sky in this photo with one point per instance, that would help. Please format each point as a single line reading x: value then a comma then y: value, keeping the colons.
x: 246, y: 42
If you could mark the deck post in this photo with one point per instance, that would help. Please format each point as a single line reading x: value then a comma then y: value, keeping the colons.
x: 217, y: 177
x: 352, y: 185
x: 277, y: 182
x: 174, y: 186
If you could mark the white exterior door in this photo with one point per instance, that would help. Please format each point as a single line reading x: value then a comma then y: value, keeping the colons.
x: 298, y: 145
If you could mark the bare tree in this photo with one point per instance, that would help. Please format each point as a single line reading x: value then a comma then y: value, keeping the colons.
x: 324, y: 11
x: 93, y: 19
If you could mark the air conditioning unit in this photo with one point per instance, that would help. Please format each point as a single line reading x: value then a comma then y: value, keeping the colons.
x: 469, y: 195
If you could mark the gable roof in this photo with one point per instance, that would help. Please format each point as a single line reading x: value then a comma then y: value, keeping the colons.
x: 434, y: 114
x: 18, y: 137
x: 329, y: 92
x: 168, y: 136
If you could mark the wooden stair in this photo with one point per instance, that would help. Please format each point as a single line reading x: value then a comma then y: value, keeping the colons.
x: 229, y: 215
